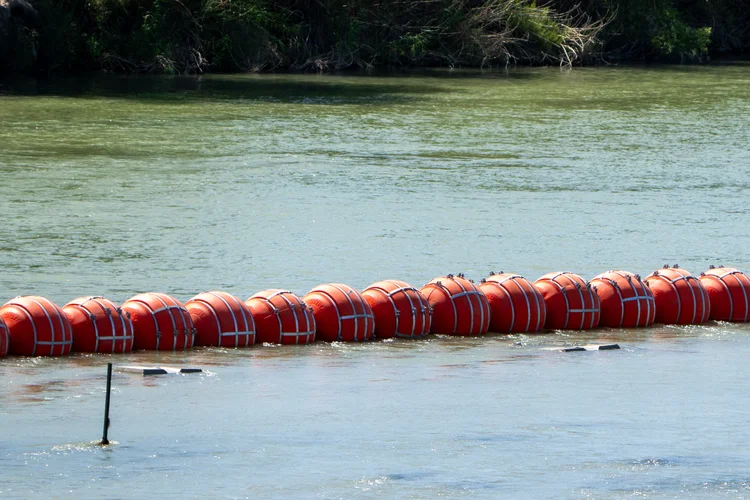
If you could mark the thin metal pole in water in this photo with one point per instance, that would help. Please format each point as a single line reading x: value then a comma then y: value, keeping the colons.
x: 105, y: 441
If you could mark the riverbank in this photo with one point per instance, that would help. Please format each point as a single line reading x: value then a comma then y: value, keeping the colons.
x: 198, y: 36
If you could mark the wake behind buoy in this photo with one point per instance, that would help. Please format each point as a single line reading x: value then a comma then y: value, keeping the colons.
x: 281, y: 317
x: 458, y: 306
x: 515, y: 305
x: 341, y: 313
x: 728, y: 292
x: 626, y: 301
x: 99, y: 325
x: 221, y: 320
x: 680, y: 297
x: 400, y: 310
x: 571, y: 303
x: 160, y: 322
x: 37, y: 327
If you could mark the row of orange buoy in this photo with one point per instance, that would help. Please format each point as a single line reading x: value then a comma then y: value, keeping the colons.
x: 452, y: 305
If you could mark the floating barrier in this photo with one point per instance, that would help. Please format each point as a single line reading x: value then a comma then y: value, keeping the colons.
x: 160, y: 322
x: 571, y: 303
x: 37, y: 327
x: 626, y: 301
x: 515, y: 305
x: 281, y: 317
x: 453, y: 305
x: 400, y: 310
x: 221, y: 320
x: 728, y: 292
x: 680, y: 297
x: 341, y: 313
x: 99, y: 325
x: 4, y: 338
x: 458, y: 306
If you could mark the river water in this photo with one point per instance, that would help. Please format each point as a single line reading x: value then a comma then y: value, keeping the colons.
x: 114, y: 185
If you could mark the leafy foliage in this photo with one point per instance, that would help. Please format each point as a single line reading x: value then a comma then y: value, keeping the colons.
x: 192, y: 36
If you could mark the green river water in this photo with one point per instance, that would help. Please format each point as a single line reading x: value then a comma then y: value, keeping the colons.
x: 118, y: 185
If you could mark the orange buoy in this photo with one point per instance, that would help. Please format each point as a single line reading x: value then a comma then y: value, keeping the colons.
x: 341, y: 313
x: 221, y: 320
x: 160, y: 322
x: 400, y: 310
x: 37, y: 327
x: 626, y: 302
x: 515, y: 305
x: 281, y: 317
x: 4, y: 338
x: 99, y: 325
x: 728, y: 292
x: 571, y: 303
x: 458, y: 306
x: 680, y: 297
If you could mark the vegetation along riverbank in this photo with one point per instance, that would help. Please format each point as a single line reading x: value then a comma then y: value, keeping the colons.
x: 194, y: 36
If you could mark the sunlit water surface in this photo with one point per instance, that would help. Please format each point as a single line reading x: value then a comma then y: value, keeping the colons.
x: 113, y: 186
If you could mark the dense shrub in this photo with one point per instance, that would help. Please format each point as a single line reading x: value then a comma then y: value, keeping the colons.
x: 191, y: 36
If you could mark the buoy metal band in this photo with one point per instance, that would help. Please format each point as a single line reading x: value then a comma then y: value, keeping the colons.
x: 60, y: 318
x: 510, y: 299
x: 277, y: 312
x: 355, y: 315
x: 515, y: 278
x: 561, y: 289
x: 292, y: 307
x: 423, y: 305
x: 636, y: 297
x: 52, y: 343
x: 297, y: 334
x: 736, y: 275
x: 170, y: 309
x: 124, y: 337
x: 51, y: 328
x: 469, y: 294
x: 616, y: 286
x: 389, y: 296
x: 237, y: 333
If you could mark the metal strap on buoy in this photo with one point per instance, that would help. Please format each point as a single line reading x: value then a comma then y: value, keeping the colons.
x: 277, y: 312
x: 657, y: 274
x: 113, y: 338
x: 583, y: 309
x: 355, y: 315
x: 704, y: 299
x: 499, y: 284
x: 564, y: 294
x: 636, y: 296
x: 514, y: 278
x: 292, y: 306
x: 734, y: 273
x: 237, y: 331
x: 442, y: 287
x: 469, y: 294
x: 52, y: 343
x: 169, y: 309
x: 424, y: 306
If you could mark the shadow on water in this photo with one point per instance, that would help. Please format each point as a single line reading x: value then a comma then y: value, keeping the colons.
x: 297, y: 89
